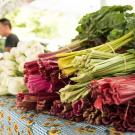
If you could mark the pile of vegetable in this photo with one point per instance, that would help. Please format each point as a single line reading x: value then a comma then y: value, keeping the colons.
x: 112, y: 102
x: 83, y: 60
x: 39, y: 102
x: 92, y: 79
x: 114, y: 97
x: 44, y: 76
x: 113, y: 90
x: 11, y: 67
x: 78, y: 97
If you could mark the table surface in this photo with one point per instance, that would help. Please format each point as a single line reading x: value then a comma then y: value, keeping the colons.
x: 15, y: 122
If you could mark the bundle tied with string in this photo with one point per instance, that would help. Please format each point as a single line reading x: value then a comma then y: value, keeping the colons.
x: 68, y: 49
x: 66, y: 60
x: 122, y: 55
x: 113, y: 90
x: 125, y: 62
x: 108, y: 44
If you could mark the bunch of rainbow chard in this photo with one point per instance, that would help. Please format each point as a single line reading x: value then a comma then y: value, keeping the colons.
x: 92, y: 63
x: 38, y: 102
x: 43, y: 80
x: 114, y: 98
x: 113, y: 90
x: 121, y: 117
x: 69, y: 62
x: 44, y: 75
x: 110, y: 101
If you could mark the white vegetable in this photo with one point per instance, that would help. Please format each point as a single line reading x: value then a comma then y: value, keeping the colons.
x: 13, y: 50
x: 10, y: 72
x: 10, y: 65
x: 28, y: 59
x: 16, y: 85
x: 22, y: 46
x: 4, y: 79
x: 8, y: 56
x: 21, y: 59
x: 3, y: 90
x: 34, y: 50
x: 18, y: 53
x: 21, y: 67
x: 1, y: 65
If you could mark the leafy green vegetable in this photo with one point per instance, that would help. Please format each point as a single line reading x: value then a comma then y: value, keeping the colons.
x: 103, y: 22
x: 106, y: 24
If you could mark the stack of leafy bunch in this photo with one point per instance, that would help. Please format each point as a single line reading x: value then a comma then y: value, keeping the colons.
x: 81, y: 85
x: 43, y: 80
x: 104, y: 25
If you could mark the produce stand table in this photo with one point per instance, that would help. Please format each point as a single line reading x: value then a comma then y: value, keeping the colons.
x: 15, y: 122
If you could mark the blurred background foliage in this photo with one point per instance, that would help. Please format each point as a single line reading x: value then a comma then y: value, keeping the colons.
x: 49, y: 21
